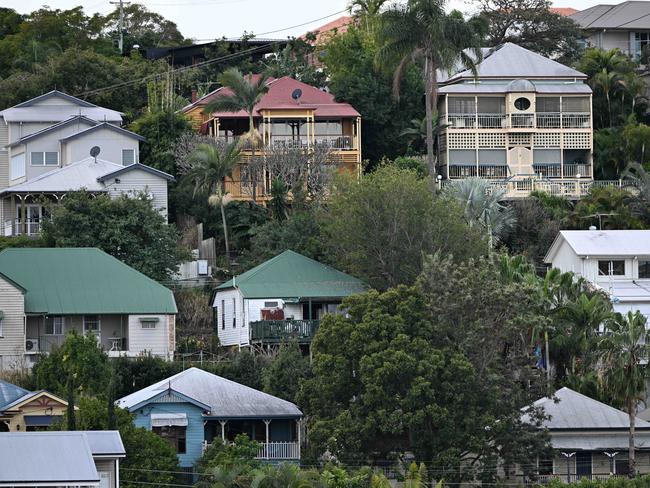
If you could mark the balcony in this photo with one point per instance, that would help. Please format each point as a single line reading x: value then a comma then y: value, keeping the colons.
x: 548, y: 170
x: 336, y: 142
x: 31, y: 228
x: 279, y: 451
x: 540, y: 120
x: 276, y: 331
x: 544, y: 479
x: 459, y: 171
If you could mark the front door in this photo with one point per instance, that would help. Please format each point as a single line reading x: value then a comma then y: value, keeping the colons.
x: 583, y: 464
x: 33, y: 214
x: 520, y: 161
x: 105, y: 479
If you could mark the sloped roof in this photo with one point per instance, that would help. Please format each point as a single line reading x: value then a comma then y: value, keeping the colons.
x: 105, y: 443
x: 9, y: 393
x: 86, y: 174
x: 52, y: 128
x: 102, y: 126
x: 208, y: 97
x: 510, y: 61
x: 32, y: 111
x: 33, y: 394
x: 575, y: 411
x: 75, y: 281
x: 31, y: 458
x: 226, y: 398
x: 626, y: 15
x: 292, y: 275
x: 564, y: 11
x: 278, y: 97
x: 570, y: 87
x: 624, y: 243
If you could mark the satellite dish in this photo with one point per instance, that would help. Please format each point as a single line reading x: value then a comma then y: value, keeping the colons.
x: 94, y: 151
x: 297, y: 93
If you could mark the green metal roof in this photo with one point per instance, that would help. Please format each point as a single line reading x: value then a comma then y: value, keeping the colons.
x: 292, y: 275
x: 82, y: 281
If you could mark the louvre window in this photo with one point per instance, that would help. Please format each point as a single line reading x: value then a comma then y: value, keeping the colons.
x: 128, y: 157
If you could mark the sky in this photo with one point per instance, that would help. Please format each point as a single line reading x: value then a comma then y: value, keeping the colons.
x: 210, y: 19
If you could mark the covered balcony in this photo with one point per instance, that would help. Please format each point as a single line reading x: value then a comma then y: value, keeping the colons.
x: 278, y: 331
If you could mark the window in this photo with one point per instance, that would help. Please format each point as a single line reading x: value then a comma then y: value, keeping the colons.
x: 621, y: 465
x: 128, y: 156
x: 522, y: 103
x: 54, y: 325
x: 234, y: 313
x: 44, y: 158
x: 641, y: 40
x: 545, y: 466
x: 611, y: 268
x: 644, y: 269
x: 2, y: 316
x: 92, y: 324
x: 270, y: 304
x: 548, y: 104
x: 576, y: 104
x: 175, y: 435
x: 223, y: 314
x: 18, y: 166
x: 461, y: 105
x: 148, y: 322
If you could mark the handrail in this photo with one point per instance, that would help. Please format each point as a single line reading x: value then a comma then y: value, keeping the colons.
x: 281, y: 330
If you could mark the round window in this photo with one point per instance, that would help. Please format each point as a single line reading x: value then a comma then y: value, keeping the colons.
x: 522, y: 103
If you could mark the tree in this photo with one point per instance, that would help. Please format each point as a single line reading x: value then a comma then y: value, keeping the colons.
x: 195, y: 321
x: 288, y: 369
x: 295, y: 61
x: 639, y: 201
x: 379, y: 229
x: 128, y: 228
x: 207, y: 167
x: 604, y: 208
x: 416, y: 133
x: 421, y: 30
x: 624, y: 356
x: 483, y: 207
x: 533, y: 25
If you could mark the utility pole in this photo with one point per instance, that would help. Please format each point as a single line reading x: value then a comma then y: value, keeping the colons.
x: 120, y: 42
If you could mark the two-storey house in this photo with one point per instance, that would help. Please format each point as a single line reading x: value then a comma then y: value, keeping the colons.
x: 56, y: 143
x: 524, y: 123
x: 616, y: 261
x: 47, y: 292
x: 290, y: 114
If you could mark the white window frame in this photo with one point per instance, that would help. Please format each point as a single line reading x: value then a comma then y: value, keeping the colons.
x: 1, y: 322
x: 98, y: 332
x: 54, y: 326
x: 234, y: 313
x: 17, y: 166
x: 148, y: 323
x: 44, y: 156
x: 133, y: 159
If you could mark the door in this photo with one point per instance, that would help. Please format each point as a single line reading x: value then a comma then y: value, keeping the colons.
x: 33, y: 214
x: 104, y: 479
x: 520, y: 161
x: 583, y: 464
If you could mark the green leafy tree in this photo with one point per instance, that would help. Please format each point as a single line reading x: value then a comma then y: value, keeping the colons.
x: 604, y: 208
x: 282, y: 378
x: 624, y: 356
x: 128, y: 228
x: 380, y: 228
x: 295, y: 61
x: 420, y: 30
x: 416, y: 133
x: 226, y: 462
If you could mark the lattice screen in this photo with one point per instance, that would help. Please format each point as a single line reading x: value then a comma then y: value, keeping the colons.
x: 577, y: 140
x: 546, y: 139
x: 492, y: 140
x: 519, y: 139
x: 463, y: 140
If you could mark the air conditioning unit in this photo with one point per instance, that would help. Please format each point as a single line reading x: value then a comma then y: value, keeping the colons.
x: 31, y: 345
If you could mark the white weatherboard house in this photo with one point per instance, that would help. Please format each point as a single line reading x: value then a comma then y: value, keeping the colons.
x: 282, y: 299
x: 616, y: 261
x: 45, y: 151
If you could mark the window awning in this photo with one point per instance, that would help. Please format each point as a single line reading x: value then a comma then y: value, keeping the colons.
x: 168, y: 419
x: 149, y: 319
x: 41, y: 420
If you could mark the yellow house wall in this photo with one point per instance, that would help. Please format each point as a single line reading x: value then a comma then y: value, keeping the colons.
x: 196, y: 117
x: 52, y: 407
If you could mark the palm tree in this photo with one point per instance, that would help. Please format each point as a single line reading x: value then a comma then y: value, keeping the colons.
x: 208, y: 166
x: 482, y: 205
x: 366, y: 7
x: 421, y: 31
x: 417, y: 131
x: 639, y: 201
x: 244, y: 93
x: 623, y: 357
x: 284, y: 476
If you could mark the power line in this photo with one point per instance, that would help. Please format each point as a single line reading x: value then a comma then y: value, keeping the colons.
x: 304, y: 23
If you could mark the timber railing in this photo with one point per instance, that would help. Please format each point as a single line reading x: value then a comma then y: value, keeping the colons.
x: 283, y: 330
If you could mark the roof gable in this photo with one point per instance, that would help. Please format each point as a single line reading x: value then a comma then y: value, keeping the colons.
x: 54, y: 94
x: 624, y: 243
x: 42, y: 399
x: 103, y: 126
x: 510, y: 61
x: 225, y: 398
x: 576, y: 411
x: 136, y: 166
x: 292, y: 275
x: 79, y: 119
x: 82, y: 280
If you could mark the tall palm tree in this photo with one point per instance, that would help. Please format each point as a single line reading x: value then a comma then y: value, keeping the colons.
x: 208, y: 166
x: 417, y: 131
x: 640, y: 200
x: 366, y: 7
x: 623, y: 356
x: 421, y: 31
x: 244, y: 93
x: 285, y: 476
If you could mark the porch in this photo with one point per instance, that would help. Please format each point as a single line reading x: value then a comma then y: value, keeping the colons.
x: 277, y: 331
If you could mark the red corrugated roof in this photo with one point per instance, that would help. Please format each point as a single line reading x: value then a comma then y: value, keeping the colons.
x: 279, y: 98
x: 565, y: 11
x: 339, y: 25
x: 205, y: 99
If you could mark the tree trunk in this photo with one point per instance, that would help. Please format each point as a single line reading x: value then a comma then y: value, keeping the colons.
x: 225, y: 229
x: 429, y: 99
x: 253, y: 174
x: 632, y: 415
x: 72, y: 422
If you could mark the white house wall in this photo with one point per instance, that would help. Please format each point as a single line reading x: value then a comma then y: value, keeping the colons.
x: 12, y: 339
x: 155, y: 340
x: 141, y: 181
x: 566, y: 260
x: 625, y: 307
x: 229, y: 335
x: 110, y: 142
x: 254, y: 309
x: 4, y: 154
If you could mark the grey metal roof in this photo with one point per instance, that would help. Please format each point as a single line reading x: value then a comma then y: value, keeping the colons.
x: 103, y: 125
x: 569, y: 88
x: 599, y: 441
x: 54, y: 127
x: 105, y: 443
x: 131, y: 167
x: 628, y: 291
x: 226, y: 398
x: 511, y: 61
x: 626, y: 15
x: 521, y: 85
x: 9, y: 393
x: 32, y: 458
x: 622, y: 243
x: 575, y: 411
x: 53, y: 113
x: 54, y: 94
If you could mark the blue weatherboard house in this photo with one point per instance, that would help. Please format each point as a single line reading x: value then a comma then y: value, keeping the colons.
x: 193, y: 408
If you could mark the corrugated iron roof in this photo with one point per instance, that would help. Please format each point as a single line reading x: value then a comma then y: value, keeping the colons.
x: 82, y: 281
x: 105, y: 443
x: 292, y: 275
x: 9, y: 393
x: 575, y: 411
x: 31, y: 458
x: 626, y: 15
x: 599, y: 441
x: 622, y: 243
x: 225, y: 398
x: 559, y: 88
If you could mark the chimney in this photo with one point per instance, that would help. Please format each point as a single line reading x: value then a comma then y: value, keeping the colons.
x: 194, y: 97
